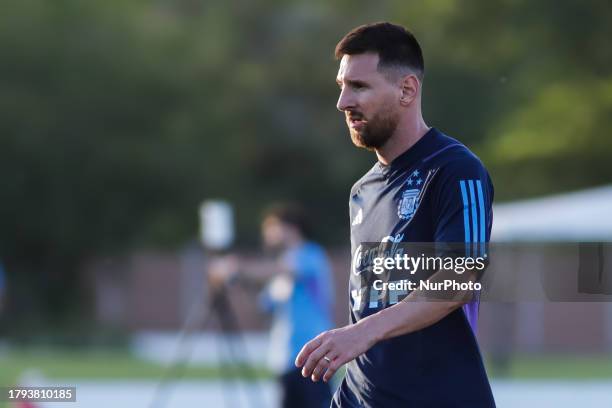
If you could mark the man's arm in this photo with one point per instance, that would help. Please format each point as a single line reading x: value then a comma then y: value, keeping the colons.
x: 344, y: 344
x: 227, y: 268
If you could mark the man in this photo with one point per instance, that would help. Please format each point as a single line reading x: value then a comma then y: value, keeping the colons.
x: 298, y: 294
x: 425, y: 187
x: 300, y: 298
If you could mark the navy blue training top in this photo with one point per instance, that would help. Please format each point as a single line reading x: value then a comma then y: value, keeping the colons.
x: 436, y: 191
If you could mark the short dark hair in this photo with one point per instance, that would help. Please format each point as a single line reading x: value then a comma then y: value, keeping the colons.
x: 292, y: 214
x: 394, y: 44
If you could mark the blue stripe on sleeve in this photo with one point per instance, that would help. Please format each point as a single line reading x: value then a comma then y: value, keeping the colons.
x: 474, y: 215
x: 482, y: 216
x: 466, y: 214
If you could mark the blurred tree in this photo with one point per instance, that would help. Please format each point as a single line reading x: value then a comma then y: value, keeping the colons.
x: 117, y: 118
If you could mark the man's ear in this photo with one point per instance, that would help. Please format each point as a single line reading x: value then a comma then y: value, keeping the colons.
x: 410, y: 86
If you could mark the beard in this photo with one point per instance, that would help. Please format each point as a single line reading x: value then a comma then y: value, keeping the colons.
x: 376, y: 131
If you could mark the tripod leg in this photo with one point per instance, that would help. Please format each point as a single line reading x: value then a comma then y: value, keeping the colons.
x: 228, y: 375
x: 197, y: 317
x: 229, y: 325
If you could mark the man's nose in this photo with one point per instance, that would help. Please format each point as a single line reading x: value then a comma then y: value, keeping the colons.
x: 345, y: 100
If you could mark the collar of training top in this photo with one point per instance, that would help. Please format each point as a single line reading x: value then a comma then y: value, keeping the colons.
x: 413, y: 154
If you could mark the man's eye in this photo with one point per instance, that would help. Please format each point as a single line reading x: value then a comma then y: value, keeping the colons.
x: 358, y: 87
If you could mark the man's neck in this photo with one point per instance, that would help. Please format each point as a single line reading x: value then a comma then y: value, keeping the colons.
x: 403, y: 139
x: 294, y: 242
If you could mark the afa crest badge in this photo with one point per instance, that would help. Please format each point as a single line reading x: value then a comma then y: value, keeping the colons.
x: 408, y: 204
x: 409, y: 201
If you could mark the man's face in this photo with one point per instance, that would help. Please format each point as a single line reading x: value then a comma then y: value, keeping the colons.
x: 370, y: 102
x: 273, y: 232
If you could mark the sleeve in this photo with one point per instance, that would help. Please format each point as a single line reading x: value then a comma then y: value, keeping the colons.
x: 463, y: 210
x: 303, y: 264
x: 311, y: 268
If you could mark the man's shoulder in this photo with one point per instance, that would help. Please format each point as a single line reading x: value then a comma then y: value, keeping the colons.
x: 313, y: 249
x: 454, y: 158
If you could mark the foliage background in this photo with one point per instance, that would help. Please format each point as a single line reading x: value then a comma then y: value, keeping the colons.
x: 117, y: 118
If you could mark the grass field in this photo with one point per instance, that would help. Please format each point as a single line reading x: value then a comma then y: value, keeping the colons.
x: 58, y: 364
x: 112, y: 365
x: 120, y: 365
x: 561, y: 367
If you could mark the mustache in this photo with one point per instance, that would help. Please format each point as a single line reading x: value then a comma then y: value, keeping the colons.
x: 354, y: 115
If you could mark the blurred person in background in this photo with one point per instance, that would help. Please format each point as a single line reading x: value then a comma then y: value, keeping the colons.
x: 298, y: 293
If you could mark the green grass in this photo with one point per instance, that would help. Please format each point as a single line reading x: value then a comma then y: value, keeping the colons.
x: 117, y: 365
x: 111, y: 365
x: 571, y: 367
